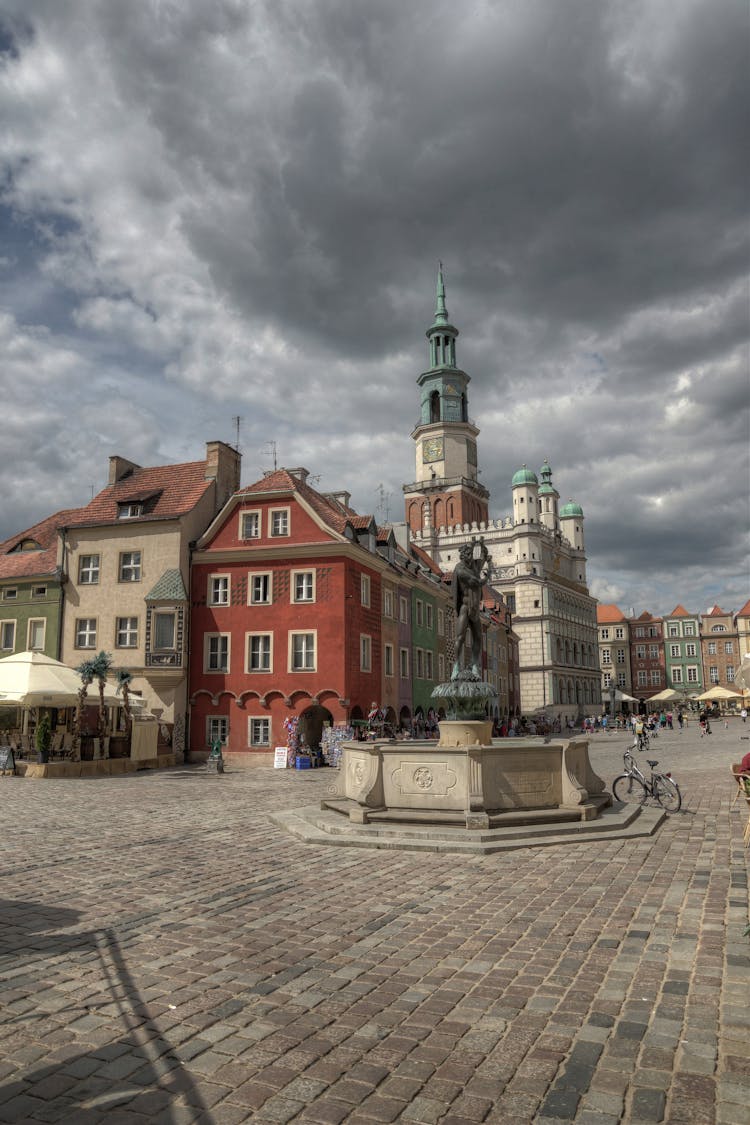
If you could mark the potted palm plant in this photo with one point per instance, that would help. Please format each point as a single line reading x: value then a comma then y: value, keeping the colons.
x: 43, y: 738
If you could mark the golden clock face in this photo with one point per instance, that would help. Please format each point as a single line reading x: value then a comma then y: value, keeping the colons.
x: 432, y: 450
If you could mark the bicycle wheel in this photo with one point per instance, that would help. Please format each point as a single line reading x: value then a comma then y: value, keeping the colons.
x: 667, y: 793
x: 629, y: 790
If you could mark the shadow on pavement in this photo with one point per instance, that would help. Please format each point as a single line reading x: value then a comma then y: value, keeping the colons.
x: 137, y: 1071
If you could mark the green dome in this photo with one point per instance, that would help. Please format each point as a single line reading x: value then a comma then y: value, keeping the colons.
x: 546, y: 490
x: 571, y: 509
x: 524, y: 476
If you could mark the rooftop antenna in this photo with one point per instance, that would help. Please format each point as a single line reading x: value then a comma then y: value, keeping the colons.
x: 269, y: 449
x: 383, y: 505
x: 236, y: 419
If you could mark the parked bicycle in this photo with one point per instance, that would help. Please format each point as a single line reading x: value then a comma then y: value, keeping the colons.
x: 632, y: 787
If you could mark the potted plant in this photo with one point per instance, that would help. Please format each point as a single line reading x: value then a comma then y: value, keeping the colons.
x: 43, y: 739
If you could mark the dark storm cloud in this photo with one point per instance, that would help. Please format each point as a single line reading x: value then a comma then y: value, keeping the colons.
x: 257, y: 196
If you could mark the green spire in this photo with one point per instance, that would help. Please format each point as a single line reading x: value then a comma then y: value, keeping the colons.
x: 441, y: 313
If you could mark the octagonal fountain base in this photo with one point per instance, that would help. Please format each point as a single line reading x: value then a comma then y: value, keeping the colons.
x: 467, y: 780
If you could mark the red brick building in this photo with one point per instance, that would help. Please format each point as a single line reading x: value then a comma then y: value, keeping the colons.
x: 289, y: 588
x: 647, y: 662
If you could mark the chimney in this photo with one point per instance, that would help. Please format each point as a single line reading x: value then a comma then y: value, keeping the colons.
x: 299, y: 473
x: 223, y: 465
x: 119, y: 467
x: 342, y: 497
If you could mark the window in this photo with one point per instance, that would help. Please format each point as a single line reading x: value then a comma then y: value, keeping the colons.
x: 85, y: 635
x: 441, y: 623
x: 88, y: 570
x: 7, y: 636
x: 364, y: 589
x: 729, y: 646
x: 713, y: 674
x: 692, y: 674
x: 388, y: 660
x: 604, y: 634
x: 260, y: 589
x: 278, y: 521
x: 163, y: 630
x: 640, y: 652
x: 420, y: 612
x: 677, y: 675
x: 674, y: 651
x: 218, y: 589
x: 259, y: 732
x: 36, y: 633
x: 10, y: 594
x: 259, y: 652
x: 441, y: 668
x: 387, y: 603
x: 302, y: 652
x: 303, y: 585
x: 365, y: 653
x: 730, y: 673
x: 130, y: 566
x: 712, y: 648
x: 620, y: 634
x: 249, y: 525
x: 217, y: 729
x: 419, y: 664
x: 126, y: 635
x: 655, y: 677
x: 129, y: 511
x: 607, y: 678
x: 606, y: 656
x: 653, y: 652
x: 674, y: 630
x: 216, y: 652
x: 640, y: 631
x: 403, y: 611
x: 404, y: 663
x: 718, y: 628
x: 621, y: 656
x: 642, y: 679
x: 689, y: 629
x: 428, y: 619
x: 690, y: 649
x: 41, y: 592
x: 428, y: 664
x: 621, y: 679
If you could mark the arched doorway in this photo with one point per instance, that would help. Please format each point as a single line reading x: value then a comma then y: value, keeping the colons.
x: 404, y: 718
x: 311, y: 725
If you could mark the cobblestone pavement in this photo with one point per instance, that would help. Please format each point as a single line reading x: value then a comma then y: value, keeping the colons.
x: 169, y: 955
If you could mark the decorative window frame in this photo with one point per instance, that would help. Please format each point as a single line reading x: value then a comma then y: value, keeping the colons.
x: 287, y: 512
x: 212, y: 721
x: 251, y: 576
x: 78, y: 632
x: 290, y: 650
x: 365, y: 652
x: 3, y: 626
x: 121, y: 565
x: 93, y: 569
x: 258, y: 513
x: 293, y: 575
x: 249, y: 671
x: 127, y: 617
x: 263, y: 722
x: 207, y: 638
x: 389, y: 667
x: 30, y: 623
x: 365, y: 590
x: 219, y: 576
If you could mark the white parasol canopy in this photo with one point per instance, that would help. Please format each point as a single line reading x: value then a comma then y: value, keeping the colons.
x: 31, y: 679
x: 742, y: 679
x: 718, y: 693
x: 668, y: 695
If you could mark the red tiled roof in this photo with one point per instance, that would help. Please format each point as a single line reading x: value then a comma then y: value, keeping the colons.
x: 609, y: 613
x: 178, y: 489
x: 27, y: 564
x: 283, y: 481
x: 715, y: 611
x: 745, y: 611
x: 426, y: 560
x: 646, y: 616
x: 679, y: 611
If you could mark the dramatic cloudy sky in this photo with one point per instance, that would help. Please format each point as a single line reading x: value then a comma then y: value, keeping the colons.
x: 237, y: 208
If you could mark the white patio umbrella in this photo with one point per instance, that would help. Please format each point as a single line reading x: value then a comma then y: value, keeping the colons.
x: 31, y: 679
x: 742, y: 679
x: 668, y: 695
x: 719, y: 693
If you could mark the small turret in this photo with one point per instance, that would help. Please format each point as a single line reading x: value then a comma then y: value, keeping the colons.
x: 525, y: 496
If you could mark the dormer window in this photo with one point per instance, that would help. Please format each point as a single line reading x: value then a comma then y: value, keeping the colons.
x: 129, y: 510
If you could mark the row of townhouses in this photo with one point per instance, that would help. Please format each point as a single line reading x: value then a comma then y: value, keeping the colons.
x: 237, y: 608
x: 687, y: 652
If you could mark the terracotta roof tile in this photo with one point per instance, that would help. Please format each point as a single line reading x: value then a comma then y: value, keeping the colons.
x: 175, y: 490
x: 715, y: 611
x: 679, y: 611
x: 605, y: 614
x: 27, y: 564
x: 283, y: 481
x: 745, y: 611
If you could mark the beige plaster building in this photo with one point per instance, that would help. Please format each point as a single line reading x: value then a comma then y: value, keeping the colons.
x: 125, y: 561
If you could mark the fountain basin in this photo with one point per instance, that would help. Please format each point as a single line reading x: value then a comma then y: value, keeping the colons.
x: 475, y: 784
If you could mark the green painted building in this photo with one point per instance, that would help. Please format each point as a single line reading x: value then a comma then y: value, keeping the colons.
x: 682, y: 652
